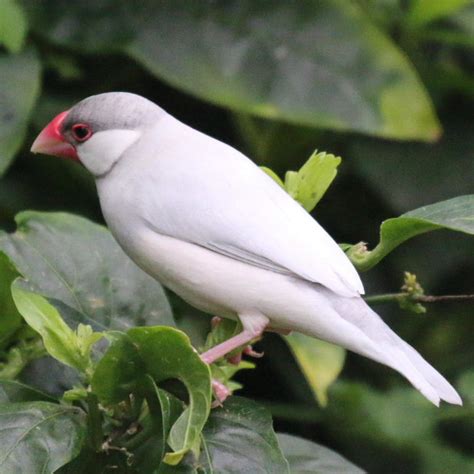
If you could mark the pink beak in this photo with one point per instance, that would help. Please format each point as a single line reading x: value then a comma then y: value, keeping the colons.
x: 51, y: 141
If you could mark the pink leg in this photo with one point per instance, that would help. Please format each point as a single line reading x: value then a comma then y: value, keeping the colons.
x: 236, y: 359
x: 221, y: 393
x: 253, y: 327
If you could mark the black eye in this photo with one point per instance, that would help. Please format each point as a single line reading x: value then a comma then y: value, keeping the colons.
x: 81, y: 132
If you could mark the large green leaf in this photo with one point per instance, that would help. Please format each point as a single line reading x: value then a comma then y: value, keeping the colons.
x: 320, y: 362
x: 237, y: 439
x: 13, y: 26
x: 80, y: 268
x: 454, y: 214
x: 319, y: 63
x: 305, y: 457
x: 39, y: 437
x: 13, y: 391
x: 426, y: 11
x: 160, y: 353
x: 9, y: 316
x: 20, y: 80
x: 398, y: 425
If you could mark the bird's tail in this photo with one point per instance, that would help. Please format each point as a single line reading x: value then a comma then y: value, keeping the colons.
x: 384, y: 346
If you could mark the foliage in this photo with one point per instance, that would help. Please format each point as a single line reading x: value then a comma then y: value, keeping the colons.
x: 454, y: 214
x: 99, y: 367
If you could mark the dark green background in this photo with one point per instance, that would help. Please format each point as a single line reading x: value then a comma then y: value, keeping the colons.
x: 384, y: 84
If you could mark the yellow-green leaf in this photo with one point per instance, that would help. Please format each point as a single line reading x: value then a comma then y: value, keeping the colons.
x: 308, y: 185
x: 320, y: 362
x: 59, y: 339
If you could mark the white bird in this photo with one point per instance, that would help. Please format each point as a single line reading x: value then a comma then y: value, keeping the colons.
x: 205, y: 221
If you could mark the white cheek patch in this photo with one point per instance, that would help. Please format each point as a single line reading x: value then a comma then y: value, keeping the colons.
x: 103, y: 149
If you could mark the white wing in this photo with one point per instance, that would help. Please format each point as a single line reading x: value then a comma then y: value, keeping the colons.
x: 207, y: 193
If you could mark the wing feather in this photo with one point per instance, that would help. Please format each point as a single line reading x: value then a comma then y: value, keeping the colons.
x: 208, y: 193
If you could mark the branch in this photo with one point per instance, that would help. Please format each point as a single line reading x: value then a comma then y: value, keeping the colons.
x: 397, y: 297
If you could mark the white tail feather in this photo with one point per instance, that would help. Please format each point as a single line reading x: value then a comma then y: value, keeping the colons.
x: 394, y: 351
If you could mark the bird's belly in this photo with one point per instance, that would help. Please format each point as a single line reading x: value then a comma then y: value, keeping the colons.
x: 221, y: 285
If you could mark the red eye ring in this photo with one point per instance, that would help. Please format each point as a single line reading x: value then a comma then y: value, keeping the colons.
x: 81, y: 132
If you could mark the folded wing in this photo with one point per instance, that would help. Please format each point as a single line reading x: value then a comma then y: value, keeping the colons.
x: 207, y: 193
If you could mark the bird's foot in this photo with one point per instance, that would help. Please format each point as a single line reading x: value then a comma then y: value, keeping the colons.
x: 237, y: 358
x: 221, y: 392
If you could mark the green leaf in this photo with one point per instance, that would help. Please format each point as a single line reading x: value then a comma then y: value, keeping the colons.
x: 39, y: 437
x: 164, y: 410
x: 306, y: 457
x: 237, y: 439
x: 321, y: 64
x: 20, y: 87
x: 167, y: 353
x: 454, y: 214
x: 320, y: 362
x: 466, y: 386
x: 80, y: 268
x: 398, y: 424
x: 13, y: 391
x: 161, y: 353
x: 10, y: 317
x: 20, y: 354
x: 59, y: 339
x: 13, y: 26
x: 119, y: 372
x: 425, y: 11
x: 308, y: 185
x: 273, y: 175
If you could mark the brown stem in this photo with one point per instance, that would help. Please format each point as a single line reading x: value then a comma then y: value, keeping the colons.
x: 395, y: 297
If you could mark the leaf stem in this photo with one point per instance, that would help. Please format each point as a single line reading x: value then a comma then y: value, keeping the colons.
x: 144, y: 435
x: 94, y: 423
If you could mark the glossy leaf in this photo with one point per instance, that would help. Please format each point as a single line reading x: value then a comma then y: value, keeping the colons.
x: 399, y: 422
x: 80, y: 268
x: 425, y: 11
x: 306, y: 457
x: 311, y: 181
x: 454, y: 214
x: 13, y: 26
x: 39, y: 437
x: 237, y: 439
x: 305, y: 69
x: 160, y: 353
x: 273, y: 175
x: 119, y: 371
x: 167, y: 353
x: 20, y: 79
x: 320, y: 362
x: 322, y: 64
x: 165, y: 409
x: 10, y: 318
x: 12, y: 391
x: 59, y: 339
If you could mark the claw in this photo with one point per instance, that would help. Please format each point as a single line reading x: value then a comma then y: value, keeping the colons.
x: 221, y: 392
x: 250, y: 352
x: 237, y: 358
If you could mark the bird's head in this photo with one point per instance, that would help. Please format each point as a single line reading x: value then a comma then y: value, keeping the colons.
x: 98, y: 130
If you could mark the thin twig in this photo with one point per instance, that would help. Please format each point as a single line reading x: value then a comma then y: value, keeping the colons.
x: 396, y: 297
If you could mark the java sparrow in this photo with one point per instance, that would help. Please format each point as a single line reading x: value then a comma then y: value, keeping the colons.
x: 205, y: 221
